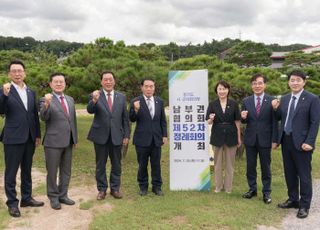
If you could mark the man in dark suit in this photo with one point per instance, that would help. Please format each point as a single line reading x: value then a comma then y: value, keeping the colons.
x: 299, y: 114
x: 109, y: 131
x: 149, y: 135
x: 58, y: 112
x: 260, y: 135
x: 20, y: 135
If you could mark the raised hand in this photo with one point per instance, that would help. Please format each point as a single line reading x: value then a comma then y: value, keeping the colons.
x: 244, y: 114
x: 136, y: 105
x: 95, y: 96
x: 6, y: 88
x: 275, y: 103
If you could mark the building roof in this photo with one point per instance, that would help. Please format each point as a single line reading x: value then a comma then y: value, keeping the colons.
x: 311, y: 49
x: 277, y: 55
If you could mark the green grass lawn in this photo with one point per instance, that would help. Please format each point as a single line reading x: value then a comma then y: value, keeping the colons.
x: 176, y: 210
x: 81, y: 106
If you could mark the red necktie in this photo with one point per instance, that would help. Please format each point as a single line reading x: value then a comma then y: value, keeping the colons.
x: 64, y: 107
x: 258, y: 107
x: 109, y: 102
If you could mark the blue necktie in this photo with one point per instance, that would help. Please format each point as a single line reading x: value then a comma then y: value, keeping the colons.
x: 288, y: 127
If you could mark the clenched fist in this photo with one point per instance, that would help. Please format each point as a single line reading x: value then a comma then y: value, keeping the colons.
x: 95, y: 96
x: 244, y: 114
x: 136, y: 106
x: 48, y: 98
x: 212, y: 115
x: 275, y: 103
x: 6, y: 88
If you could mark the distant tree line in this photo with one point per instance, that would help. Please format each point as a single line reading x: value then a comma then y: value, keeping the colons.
x: 59, y: 48
x: 133, y: 63
x: 171, y: 51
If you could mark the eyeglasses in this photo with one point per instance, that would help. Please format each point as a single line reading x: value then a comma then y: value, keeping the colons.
x: 17, y: 71
x: 260, y: 83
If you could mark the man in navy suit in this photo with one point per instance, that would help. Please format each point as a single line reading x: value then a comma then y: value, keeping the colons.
x: 109, y: 131
x: 20, y: 135
x: 299, y: 114
x: 260, y: 135
x: 150, y: 134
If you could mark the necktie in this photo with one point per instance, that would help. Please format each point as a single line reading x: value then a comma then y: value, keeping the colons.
x: 258, y: 107
x: 64, y: 107
x: 150, y: 107
x: 109, y: 102
x: 288, y: 127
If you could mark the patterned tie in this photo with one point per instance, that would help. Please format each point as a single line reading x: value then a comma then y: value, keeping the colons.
x: 149, y: 104
x: 64, y: 107
x: 288, y: 127
x: 109, y: 102
x: 258, y: 107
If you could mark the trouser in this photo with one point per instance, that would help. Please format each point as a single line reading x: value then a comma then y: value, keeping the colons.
x: 18, y: 155
x: 224, y: 156
x: 102, y: 153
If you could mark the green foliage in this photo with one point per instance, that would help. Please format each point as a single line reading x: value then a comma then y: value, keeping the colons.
x: 28, y: 44
x: 248, y: 54
x: 301, y: 59
x: 133, y: 63
x: 293, y: 47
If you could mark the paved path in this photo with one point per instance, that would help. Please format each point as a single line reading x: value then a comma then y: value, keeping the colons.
x: 291, y: 222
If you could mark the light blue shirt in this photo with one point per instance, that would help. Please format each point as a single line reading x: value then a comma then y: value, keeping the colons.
x: 295, y: 103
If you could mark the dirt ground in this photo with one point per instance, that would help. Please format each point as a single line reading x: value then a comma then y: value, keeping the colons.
x: 69, y: 217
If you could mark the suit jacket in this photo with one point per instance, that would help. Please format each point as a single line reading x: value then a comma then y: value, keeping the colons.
x: 262, y: 128
x: 19, y: 122
x: 149, y: 129
x: 106, y: 123
x: 224, y: 129
x: 60, y: 128
x: 305, y: 122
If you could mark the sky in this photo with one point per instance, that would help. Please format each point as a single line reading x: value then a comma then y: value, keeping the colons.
x: 162, y: 21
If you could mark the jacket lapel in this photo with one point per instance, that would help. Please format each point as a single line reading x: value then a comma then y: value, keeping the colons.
x: 30, y: 101
x: 57, y: 103
x: 70, y: 106
x: 115, y: 101
x: 15, y: 94
x: 264, y: 103
x: 285, y: 101
x: 252, y: 106
x: 104, y: 100
x: 300, y: 102
x: 144, y: 104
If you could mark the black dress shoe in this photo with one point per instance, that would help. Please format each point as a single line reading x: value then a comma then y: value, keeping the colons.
x: 158, y: 192
x: 14, y: 211
x: 55, y: 204
x: 249, y: 194
x: 143, y: 192
x: 289, y: 204
x: 267, y: 198
x: 303, y: 213
x: 31, y: 203
x: 66, y: 201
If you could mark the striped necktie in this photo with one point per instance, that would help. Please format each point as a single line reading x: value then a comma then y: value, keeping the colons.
x: 258, y: 107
